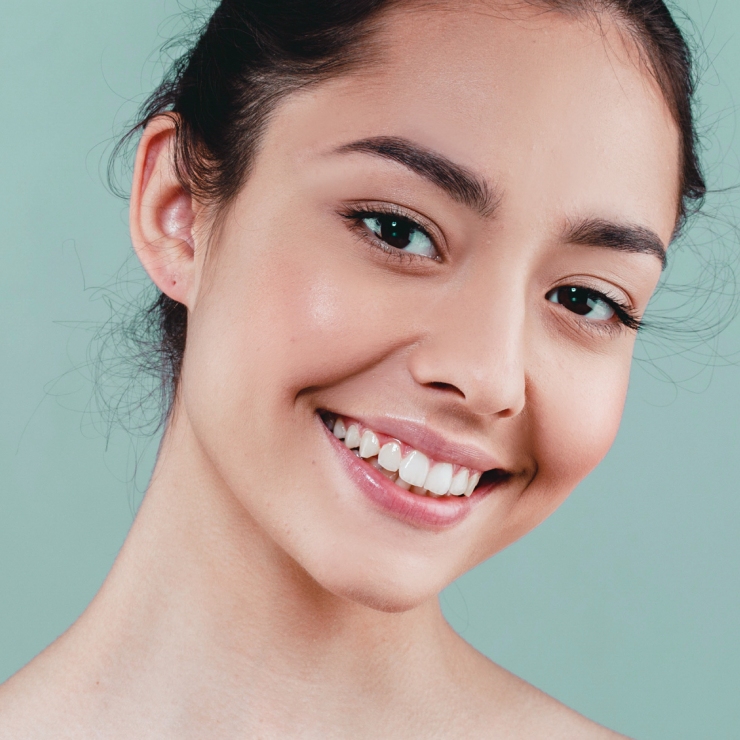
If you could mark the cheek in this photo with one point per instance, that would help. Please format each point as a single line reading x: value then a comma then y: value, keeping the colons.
x: 319, y: 315
x: 576, y: 418
x: 280, y: 318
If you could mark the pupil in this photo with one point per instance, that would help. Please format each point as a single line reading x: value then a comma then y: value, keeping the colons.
x: 395, y: 231
x: 576, y: 299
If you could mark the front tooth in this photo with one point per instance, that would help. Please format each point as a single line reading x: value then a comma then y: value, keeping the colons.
x: 340, y: 430
x: 472, y: 483
x: 439, y: 478
x: 352, y: 439
x: 390, y: 456
x: 402, y: 483
x: 414, y: 468
x: 459, y: 482
x: 369, y: 445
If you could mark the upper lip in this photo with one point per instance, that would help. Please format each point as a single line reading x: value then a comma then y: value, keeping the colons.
x: 432, y: 443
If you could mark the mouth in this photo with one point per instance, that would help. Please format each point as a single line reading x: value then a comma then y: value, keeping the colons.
x: 407, y: 482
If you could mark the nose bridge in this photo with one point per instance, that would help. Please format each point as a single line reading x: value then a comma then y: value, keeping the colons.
x: 475, y: 343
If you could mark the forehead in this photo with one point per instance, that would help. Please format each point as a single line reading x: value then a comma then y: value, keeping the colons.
x: 554, y: 105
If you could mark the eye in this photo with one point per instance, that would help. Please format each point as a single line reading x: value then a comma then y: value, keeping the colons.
x: 584, y: 302
x: 400, y: 233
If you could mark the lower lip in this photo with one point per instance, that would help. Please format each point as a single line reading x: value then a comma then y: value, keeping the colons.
x: 419, y: 511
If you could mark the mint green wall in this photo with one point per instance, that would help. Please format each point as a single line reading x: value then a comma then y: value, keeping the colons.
x: 625, y: 604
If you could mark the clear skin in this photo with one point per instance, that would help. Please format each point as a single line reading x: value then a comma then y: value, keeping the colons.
x: 259, y: 593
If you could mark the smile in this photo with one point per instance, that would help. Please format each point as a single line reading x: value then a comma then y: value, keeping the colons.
x: 409, y: 468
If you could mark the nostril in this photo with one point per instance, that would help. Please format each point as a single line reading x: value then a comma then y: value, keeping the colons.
x: 446, y: 387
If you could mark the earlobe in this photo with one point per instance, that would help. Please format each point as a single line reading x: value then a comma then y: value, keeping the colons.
x: 162, y: 214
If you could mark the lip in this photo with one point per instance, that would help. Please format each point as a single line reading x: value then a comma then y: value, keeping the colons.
x: 419, y: 511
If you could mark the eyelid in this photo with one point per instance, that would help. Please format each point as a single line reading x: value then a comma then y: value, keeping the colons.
x: 626, y: 314
x: 426, y: 225
x: 601, y: 286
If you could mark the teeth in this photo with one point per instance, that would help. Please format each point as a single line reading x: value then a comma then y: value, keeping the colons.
x: 414, y: 468
x: 439, y: 478
x: 390, y: 456
x: 415, y: 472
x: 472, y: 483
x: 352, y: 439
x: 340, y: 430
x: 459, y: 483
x: 369, y: 445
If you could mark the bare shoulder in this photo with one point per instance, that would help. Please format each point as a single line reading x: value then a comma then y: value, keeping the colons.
x: 34, y: 705
x: 505, y: 706
x: 18, y: 706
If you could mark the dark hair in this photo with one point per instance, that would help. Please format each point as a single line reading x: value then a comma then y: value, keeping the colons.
x: 252, y: 53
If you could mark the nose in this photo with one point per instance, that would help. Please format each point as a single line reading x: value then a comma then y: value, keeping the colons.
x: 473, y: 350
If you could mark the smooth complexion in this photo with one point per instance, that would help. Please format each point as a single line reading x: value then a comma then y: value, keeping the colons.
x: 262, y: 592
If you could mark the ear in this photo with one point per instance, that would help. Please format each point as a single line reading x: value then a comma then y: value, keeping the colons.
x: 162, y: 214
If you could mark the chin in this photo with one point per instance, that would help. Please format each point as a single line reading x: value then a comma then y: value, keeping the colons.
x: 386, y: 587
x: 384, y: 597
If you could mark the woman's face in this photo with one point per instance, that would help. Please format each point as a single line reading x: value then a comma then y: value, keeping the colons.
x: 441, y: 248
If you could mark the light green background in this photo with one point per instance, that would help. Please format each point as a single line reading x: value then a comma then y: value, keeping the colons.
x: 625, y: 604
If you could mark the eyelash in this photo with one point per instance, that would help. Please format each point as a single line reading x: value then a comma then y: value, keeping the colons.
x: 627, y: 318
x: 357, y: 214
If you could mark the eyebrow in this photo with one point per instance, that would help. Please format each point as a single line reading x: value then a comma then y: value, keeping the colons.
x: 457, y: 181
x: 595, y: 232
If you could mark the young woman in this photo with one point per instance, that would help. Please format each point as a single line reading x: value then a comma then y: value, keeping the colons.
x: 403, y: 250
